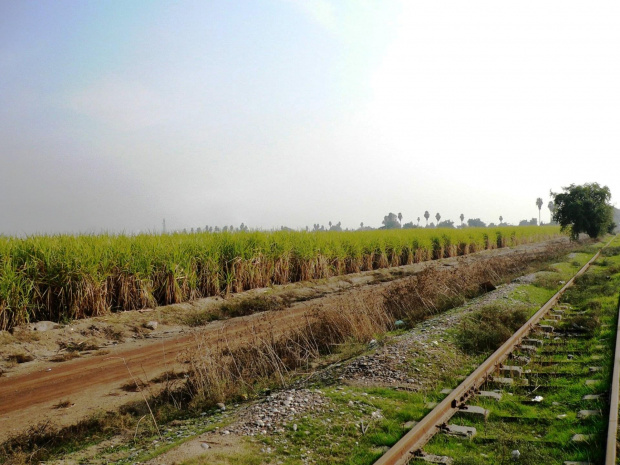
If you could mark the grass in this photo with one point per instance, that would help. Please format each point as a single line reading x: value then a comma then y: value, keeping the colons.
x: 60, y: 278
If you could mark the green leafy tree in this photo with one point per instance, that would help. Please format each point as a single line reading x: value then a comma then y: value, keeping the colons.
x: 476, y: 223
x: 391, y: 221
x: 539, y: 203
x: 446, y: 224
x: 584, y: 209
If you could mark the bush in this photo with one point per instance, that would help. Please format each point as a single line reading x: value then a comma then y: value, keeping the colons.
x: 488, y: 328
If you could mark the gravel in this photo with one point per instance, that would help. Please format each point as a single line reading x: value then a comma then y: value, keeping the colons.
x: 277, y: 412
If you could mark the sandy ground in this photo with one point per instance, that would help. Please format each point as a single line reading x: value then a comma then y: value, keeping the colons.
x: 116, y: 350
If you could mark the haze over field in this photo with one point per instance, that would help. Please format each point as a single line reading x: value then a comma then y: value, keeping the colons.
x: 115, y: 115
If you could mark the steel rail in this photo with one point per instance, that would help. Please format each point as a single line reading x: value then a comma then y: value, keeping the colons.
x: 612, y: 428
x: 412, y: 442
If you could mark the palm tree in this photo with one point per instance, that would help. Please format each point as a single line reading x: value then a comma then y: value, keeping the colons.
x: 362, y: 225
x: 438, y: 217
x: 462, y: 218
x: 418, y: 221
x: 501, y: 218
x: 539, y: 203
x: 400, y: 218
x: 427, y: 216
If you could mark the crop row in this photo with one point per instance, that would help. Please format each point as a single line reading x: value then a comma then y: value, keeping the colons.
x: 65, y: 277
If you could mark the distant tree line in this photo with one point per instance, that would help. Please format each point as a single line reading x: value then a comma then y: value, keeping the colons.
x: 395, y: 221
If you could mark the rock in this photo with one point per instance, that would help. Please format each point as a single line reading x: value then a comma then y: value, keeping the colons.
x: 204, y: 445
x: 399, y: 324
x: 486, y: 286
x: 583, y: 414
x: 221, y: 406
x: 515, y: 454
x: 44, y: 326
x: 582, y: 437
x: 152, y: 325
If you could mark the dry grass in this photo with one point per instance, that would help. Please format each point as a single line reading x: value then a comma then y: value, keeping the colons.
x: 220, y: 373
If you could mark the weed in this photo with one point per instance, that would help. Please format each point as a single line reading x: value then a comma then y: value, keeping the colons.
x: 249, y: 306
x: 200, y: 318
x: 64, y: 357
x: 488, y: 328
x: 586, y: 324
x: 63, y: 404
x: 19, y: 358
x: 71, y: 346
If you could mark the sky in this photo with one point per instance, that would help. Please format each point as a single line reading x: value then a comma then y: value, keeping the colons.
x: 117, y: 115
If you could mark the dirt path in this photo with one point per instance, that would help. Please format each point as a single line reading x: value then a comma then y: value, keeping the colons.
x: 32, y: 395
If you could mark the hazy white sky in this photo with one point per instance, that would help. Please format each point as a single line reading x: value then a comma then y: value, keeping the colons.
x: 117, y: 114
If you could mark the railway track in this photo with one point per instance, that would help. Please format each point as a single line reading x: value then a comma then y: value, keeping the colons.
x: 549, y: 389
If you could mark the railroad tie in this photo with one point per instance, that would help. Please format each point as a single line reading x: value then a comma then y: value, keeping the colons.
x: 491, y: 394
x: 546, y: 328
x: 515, y: 371
x: 439, y: 459
x: 467, y: 432
x: 474, y: 410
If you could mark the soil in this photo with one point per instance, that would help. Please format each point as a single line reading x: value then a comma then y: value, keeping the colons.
x: 65, y: 374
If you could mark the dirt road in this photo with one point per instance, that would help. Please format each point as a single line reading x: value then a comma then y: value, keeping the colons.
x: 93, y: 384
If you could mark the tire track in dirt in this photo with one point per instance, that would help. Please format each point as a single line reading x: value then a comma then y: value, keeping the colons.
x: 93, y: 383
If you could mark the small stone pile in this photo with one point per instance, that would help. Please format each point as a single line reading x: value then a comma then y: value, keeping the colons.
x: 381, y: 367
x: 277, y: 412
